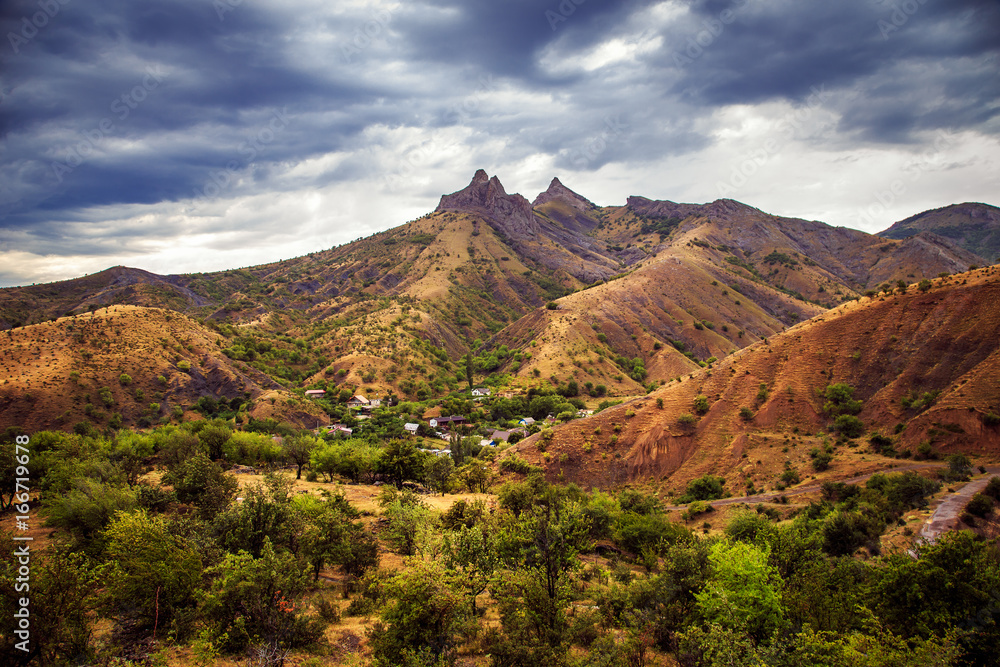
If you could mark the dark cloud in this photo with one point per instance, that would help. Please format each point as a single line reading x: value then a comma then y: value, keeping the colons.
x: 190, y: 89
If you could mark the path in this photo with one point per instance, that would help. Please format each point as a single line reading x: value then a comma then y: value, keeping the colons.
x: 945, y: 517
x: 813, y: 486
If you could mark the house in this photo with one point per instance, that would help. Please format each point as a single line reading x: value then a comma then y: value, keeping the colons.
x: 527, y: 421
x: 447, y: 422
x: 340, y: 428
x: 480, y: 391
x: 411, y: 428
x: 357, y: 401
x: 315, y: 393
x: 504, y: 436
x: 487, y: 443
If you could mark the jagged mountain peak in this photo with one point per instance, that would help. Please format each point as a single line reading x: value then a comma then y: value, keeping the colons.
x: 557, y: 190
x: 486, y: 196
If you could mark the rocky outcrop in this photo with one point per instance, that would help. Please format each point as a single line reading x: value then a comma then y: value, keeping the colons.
x: 509, y: 214
x: 558, y: 191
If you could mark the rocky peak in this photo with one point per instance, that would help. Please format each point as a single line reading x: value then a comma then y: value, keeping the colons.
x: 557, y: 190
x: 510, y: 214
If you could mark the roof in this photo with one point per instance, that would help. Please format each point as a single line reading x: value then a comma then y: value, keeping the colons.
x: 315, y: 392
x: 411, y: 427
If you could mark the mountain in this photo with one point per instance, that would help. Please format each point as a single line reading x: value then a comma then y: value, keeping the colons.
x: 922, y: 363
x: 559, y: 289
x: 137, y: 363
x: 972, y: 226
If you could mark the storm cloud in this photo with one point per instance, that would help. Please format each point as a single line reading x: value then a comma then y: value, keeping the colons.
x: 192, y: 135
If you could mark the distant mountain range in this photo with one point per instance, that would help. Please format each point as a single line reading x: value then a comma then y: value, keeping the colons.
x: 554, y: 290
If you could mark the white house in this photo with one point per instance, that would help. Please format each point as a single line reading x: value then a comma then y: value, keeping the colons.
x: 411, y: 428
x: 481, y: 391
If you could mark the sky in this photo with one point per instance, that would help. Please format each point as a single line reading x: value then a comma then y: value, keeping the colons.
x: 181, y: 136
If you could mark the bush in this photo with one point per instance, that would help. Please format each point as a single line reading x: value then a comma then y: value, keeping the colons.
x: 849, y: 426
x: 980, y: 505
x: 746, y: 414
x: 685, y: 419
x: 993, y: 488
x: 701, y: 404
x: 638, y: 532
x: 259, y: 599
x: 746, y: 526
x: 552, y: 305
x: 184, y: 366
x: 708, y: 487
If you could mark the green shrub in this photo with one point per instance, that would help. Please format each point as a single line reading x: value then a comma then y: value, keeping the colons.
x: 708, y: 487
x: 125, y: 379
x: 980, y: 505
x: 849, y: 426
x: 701, y: 404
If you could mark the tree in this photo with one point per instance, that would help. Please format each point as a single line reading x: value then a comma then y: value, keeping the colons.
x: 202, y: 482
x: 840, y: 400
x: 708, y: 487
x: 540, y: 549
x: 401, y: 461
x: 744, y: 593
x: 299, y: 449
x: 266, y: 515
x: 151, y: 575
x: 259, y: 600
x: 469, y: 369
x: 425, y: 616
x: 438, y: 473
x: 332, y: 537
x: 62, y: 600
x: 130, y: 452
x: 472, y: 553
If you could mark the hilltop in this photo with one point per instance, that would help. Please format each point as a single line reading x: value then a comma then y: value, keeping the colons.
x: 972, y: 226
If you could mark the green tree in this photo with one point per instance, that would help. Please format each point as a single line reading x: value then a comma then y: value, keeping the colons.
x: 401, y: 461
x: 438, y: 473
x: 540, y: 550
x: 744, y: 593
x: 266, y: 515
x: 150, y: 574
x: 332, y: 537
x: 299, y: 449
x: 708, y: 487
x: 201, y: 481
x: 840, y: 400
x: 259, y: 601
x: 472, y: 553
x: 425, y: 617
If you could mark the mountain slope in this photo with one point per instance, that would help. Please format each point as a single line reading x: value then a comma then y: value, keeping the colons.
x: 57, y: 374
x: 972, y: 226
x: 923, y: 364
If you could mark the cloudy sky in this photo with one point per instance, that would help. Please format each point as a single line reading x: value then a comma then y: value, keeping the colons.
x: 197, y: 135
